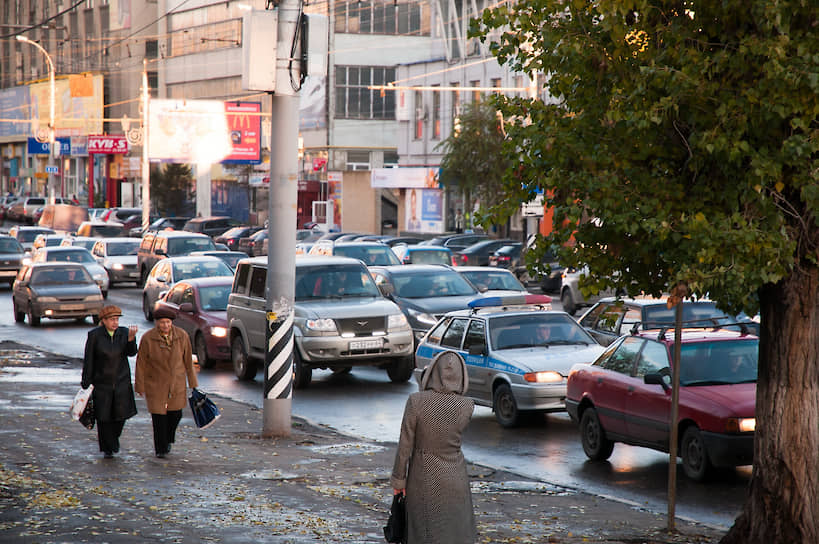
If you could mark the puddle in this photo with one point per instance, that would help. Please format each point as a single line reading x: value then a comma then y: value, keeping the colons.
x: 349, y: 448
x: 520, y: 487
x: 273, y: 474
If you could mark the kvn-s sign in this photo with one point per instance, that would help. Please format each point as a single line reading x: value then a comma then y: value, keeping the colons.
x: 116, y: 145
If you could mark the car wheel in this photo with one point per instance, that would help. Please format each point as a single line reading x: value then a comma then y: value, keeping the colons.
x: 505, y: 406
x: 401, y: 370
x: 567, y: 302
x: 33, y: 320
x: 243, y: 367
x: 143, y: 277
x: 202, y: 351
x: 695, y: 460
x: 146, y: 308
x: 302, y: 374
x: 593, y: 437
x: 19, y: 316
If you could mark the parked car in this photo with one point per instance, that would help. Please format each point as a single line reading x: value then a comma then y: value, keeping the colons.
x: 493, y: 281
x: 78, y: 255
x: 455, y: 242
x: 22, y: 210
x: 5, y: 204
x: 167, y: 272
x: 625, y: 396
x: 26, y: 235
x: 55, y: 291
x: 611, y: 318
x: 80, y: 241
x: 418, y: 254
x: 570, y: 295
x: 370, y: 253
x: 548, y: 273
x: 478, y: 253
x: 11, y: 258
x: 135, y: 222
x: 46, y: 240
x: 156, y: 246
x: 212, y: 226
x: 100, y: 229
x: 201, y: 311
x: 517, y: 354
x: 424, y: 292
x: 231, y: 258
x: 118, y: 214
x: 163, y: 223
x: 232, y: 236
x: 119, y: 258
x: 252, y: 244
x: 341, y: 320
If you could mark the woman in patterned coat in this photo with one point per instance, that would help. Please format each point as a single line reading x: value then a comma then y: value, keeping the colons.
x: 430, y: 468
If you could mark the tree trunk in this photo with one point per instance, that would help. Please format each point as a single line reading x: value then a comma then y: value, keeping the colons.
x: 783, y: 500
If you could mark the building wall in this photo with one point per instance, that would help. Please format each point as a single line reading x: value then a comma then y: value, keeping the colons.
x: 361, y: 204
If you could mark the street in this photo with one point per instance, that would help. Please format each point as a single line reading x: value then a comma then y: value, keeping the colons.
x: 365, y: 403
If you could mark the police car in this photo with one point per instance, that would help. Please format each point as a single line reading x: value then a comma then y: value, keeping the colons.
x: 517, y: 351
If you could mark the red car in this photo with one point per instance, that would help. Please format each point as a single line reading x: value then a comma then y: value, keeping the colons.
x: 625, y: 396
x: 201, y: 310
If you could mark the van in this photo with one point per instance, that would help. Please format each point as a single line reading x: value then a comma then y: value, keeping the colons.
x: 63, y: 218
x: 341, y: 320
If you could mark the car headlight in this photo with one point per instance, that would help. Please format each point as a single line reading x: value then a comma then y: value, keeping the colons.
x: 99, y: 276
x: 218, y: 332
x: 422, y: 317
x: 93, y: 298
x: 26, y: 261
x: 321, y: 325
x: 741, y: 425
x: 396, y: 322
x: 117, y: 266
x: 550, y: 376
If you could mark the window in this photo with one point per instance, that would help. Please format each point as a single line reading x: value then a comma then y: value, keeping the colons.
x: 151, y: 49
x: 358, y: 160
x: 454, y: 334
x: 475, y: 335
x: 436, y: 114
x: 401, y: 17
x: 258, y: 281
x: 240, y: 282
x: 456, y: 100
x: 653, y: 359
x: 418, y: 119
x: 610, y: 318
x: 390, y: 158
x: 436, y: 334
x: 153, y: 83
x: 355, y: 101
x: 476, y: 95
x: 622, y: 360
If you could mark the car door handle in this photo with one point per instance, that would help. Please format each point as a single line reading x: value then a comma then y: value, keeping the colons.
x: 631, y: 389
x: 599, y: 380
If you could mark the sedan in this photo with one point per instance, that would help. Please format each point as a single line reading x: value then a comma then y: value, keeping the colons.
x: 517, y: 353
x: 75, y: 255
x: 491, y: 280
x: 200, y: 305
x: 119, y: 258
x: 478, y: 253
x: 55, y: 291
x: 231, y: 258
x: 167, y: 272
x: 11, y: 258
x: 418, y: 254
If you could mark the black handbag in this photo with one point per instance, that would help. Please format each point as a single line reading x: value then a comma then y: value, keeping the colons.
x: 88, y: 415
x: 396, y: 528
x: 205, y: 412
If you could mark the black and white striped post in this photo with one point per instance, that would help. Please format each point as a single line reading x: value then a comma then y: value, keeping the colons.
x: 278, y: 364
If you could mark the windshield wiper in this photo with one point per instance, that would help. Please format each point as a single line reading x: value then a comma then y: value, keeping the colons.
x: 564, y: 342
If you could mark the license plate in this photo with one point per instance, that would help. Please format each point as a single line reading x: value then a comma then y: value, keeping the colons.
x: 69, y: 307
x: 7, y: 273
x: 366, y: 344
x: 133, y: 274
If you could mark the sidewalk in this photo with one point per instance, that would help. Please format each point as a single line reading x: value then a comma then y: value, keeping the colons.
x: 227, y: 484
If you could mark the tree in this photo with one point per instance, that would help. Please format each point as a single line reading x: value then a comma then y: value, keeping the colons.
x: 171, y: 189
x: 688, y: 132
x: 473, y: 160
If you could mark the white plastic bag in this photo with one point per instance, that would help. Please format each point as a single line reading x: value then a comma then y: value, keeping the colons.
x: 80, y: 400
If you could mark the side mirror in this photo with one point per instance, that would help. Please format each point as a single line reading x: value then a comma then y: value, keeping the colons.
x: 479, y: 349
x: 162, y: 278
x: 656, y: 378
x: 161, y: 252
x: 186, y: 307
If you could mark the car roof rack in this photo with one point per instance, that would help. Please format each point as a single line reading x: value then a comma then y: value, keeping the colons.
x: 690, y: 324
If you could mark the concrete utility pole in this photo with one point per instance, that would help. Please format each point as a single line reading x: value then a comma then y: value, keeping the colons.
x: 281, y: 254
x: 146, y: 166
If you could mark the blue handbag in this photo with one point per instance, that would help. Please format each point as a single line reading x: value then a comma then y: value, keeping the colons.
x: 205, y: 413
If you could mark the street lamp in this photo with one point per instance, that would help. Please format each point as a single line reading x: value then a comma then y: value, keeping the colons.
x: 52, y: 93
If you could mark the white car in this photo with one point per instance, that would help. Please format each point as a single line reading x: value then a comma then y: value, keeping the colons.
x: 119, y: 258
x: 78, y: 255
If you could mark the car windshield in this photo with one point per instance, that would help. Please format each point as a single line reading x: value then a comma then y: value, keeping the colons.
x: 214, y: 298
x: 200, y: 269
x: 71, y: 256
x: 719, y: 363
x: 117, y: 249
x: 44, y: 276
x: 536, y: 330
x: 334, y: 281
x: 494, y: 280
x: 434, y: 256
x: 28, y: 235
x: 230, y: 259
x: 87, y: 244
x: 694, y: 314
x: 184, y: 246
x: 369, y: 255
x: 9, y: 245
x: 106, y: 230
x: 443, y: 283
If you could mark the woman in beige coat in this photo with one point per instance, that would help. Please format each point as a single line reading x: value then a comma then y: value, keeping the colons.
x: 429, y: 465
x: 163, y: 362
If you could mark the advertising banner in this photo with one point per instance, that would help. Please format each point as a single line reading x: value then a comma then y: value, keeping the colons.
x: 43, y: 148
x: 15, y: 110
x: 424, y: 210
x: 194, y: 131
x: 404, y: 178
x: 78, y: 103
x: 244, y: 122
x: 106, y: 145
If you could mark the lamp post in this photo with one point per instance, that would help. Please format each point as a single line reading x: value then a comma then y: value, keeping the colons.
x: 52, y: 96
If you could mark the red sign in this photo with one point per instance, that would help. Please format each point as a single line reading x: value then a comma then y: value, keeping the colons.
x: 318, y: 164
x: 117, y: 145
x: 244, y: 122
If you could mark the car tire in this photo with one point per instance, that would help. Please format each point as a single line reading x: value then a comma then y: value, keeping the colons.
x: 593, y: 437
x: 567, y: 302
x: 505, y: 406
x: 201, y: 348
x: 143, y: 277
x: 401, y: 370
x: 19, y: 316
x: 243, y: 366
x: 33, y: 320
x: 694, y: 455
x: 146, y: 309
x: 302, y: 374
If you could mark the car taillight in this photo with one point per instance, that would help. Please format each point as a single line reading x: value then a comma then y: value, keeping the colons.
x: 454, y: 261
x: 464, y: 259
x: 504, y: 259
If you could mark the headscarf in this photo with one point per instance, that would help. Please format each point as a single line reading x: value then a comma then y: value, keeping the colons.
x: 446, y: 374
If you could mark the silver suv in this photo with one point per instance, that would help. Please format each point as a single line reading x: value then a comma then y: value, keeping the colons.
x: 341, y: 320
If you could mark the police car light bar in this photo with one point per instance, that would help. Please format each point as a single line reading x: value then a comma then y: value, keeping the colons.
x: 509, y: 300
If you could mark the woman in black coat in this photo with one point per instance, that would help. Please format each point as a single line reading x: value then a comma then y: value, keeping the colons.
x: 106, y: 367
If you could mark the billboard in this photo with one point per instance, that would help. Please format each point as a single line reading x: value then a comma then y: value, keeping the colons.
x: 15, y: 112
x: 244, y: 122
x: 404, y: 178
x: 192, y: 131
x: 424, y: 210
x: 77, y: 108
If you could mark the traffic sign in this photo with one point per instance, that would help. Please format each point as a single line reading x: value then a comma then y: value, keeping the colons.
x: 52, y: 170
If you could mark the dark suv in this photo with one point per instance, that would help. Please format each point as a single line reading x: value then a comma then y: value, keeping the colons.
x: 212, y: 226
x: 172, y: 243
